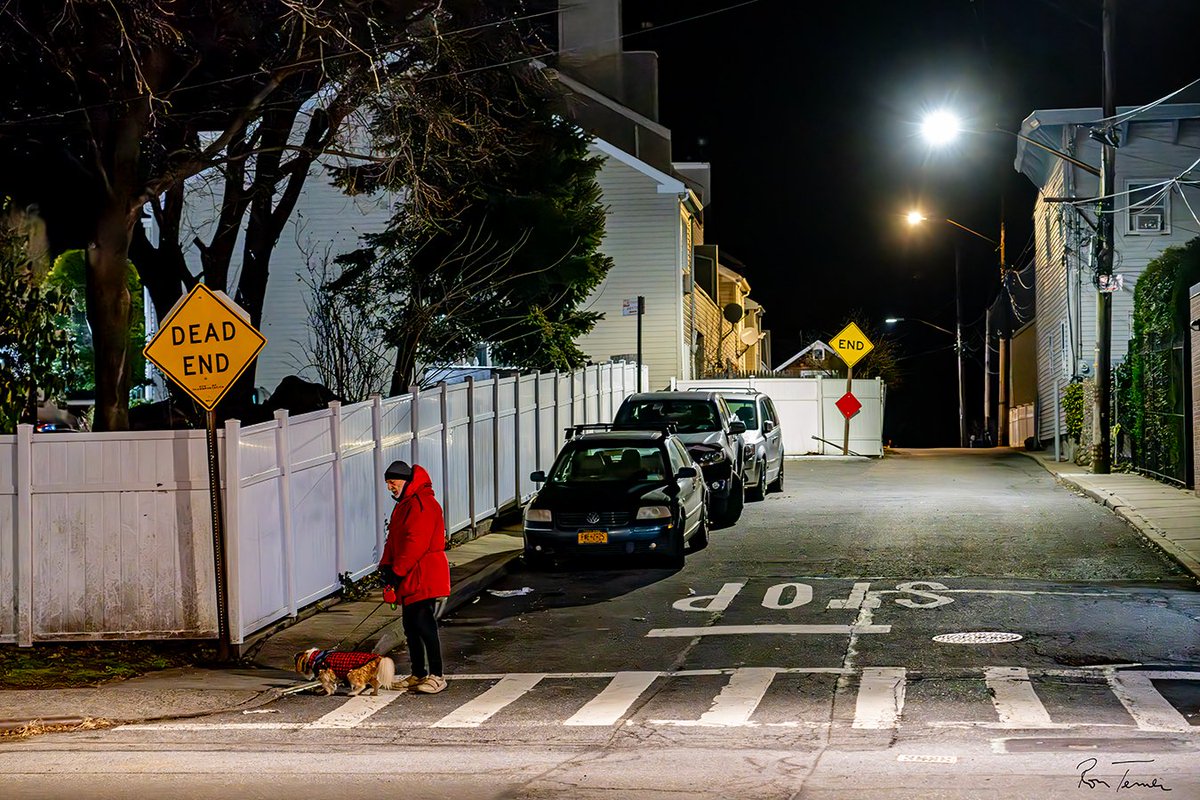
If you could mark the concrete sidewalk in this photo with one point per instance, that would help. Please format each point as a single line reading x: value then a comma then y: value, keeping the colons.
x: 1167, y: 516
x: 194, y: 691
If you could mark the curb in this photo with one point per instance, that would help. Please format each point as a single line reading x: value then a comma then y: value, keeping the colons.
x: 261, y: 699
x: 1153, y: 536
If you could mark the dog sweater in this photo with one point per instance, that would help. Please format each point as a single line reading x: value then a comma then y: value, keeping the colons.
x: 341, y: 662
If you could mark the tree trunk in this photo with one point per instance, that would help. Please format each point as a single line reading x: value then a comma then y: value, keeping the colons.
x: 108, y: 310
x: 404, y: 373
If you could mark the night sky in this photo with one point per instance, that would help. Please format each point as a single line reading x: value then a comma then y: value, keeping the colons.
x: 808, y: 113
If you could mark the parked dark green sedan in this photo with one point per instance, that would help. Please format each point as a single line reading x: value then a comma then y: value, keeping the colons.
x: 623, y: 492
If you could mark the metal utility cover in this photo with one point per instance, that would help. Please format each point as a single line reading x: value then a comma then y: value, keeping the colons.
x: 204, y: 345
x: 852, y: 344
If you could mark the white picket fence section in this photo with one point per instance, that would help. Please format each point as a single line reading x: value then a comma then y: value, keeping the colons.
x: 808, y: 412
x: 1021, y: 425
x: 109, y: 535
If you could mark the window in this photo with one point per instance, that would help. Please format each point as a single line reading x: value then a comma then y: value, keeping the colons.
x: 1149, y: 209
x: 605, y: 463
x: 769, y: 410
x: 744, y: 409
x: 689, y: 416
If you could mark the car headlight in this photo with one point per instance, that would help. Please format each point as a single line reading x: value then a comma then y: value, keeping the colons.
x: 654, y: 512
x: 537, y: 515
x: 711, y: 457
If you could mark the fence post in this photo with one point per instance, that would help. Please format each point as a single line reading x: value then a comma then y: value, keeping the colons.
x: 471, y: 451
x: 556, y: 431
x: 537, y: 421
x: 445, y: 462
x: 24, y: 531
x: 415, y: 447
x: 820, y: 416
x: 496, y: 439
x: 380, y: 492
x: 233, y: 541
x: 283, y: 451
x: 517, y: 435
x: 339, y: 511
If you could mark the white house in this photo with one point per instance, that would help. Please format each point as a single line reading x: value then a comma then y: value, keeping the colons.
x: 1153, y: 212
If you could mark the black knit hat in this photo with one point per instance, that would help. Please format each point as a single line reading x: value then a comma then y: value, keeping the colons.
x: 398, y: 471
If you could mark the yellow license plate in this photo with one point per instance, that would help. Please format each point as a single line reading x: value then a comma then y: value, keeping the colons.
x: 593, y: 537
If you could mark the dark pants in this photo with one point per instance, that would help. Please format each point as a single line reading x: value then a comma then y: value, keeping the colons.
x: 420, y: 628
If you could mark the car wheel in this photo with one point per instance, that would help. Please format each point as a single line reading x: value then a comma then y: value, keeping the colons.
x: 675, y: 559
x: 759, y: 491
x: 736, y: 502
x: 777, y: 484
x: 700, y: 537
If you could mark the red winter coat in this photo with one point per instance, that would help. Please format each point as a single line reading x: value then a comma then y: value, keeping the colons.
x: 416, y: 543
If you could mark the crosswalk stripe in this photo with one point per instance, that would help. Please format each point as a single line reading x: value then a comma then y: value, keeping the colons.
x: 880, y: 698
x: 1149, y: 709
x: 735, y: 703
x: 1017, y: 704
x: 475, y: 712
x: 356, y: 709
x: 611, y: 704
x: 737, y: 630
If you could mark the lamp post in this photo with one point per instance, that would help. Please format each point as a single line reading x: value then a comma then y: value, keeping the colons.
x: 958, y: 348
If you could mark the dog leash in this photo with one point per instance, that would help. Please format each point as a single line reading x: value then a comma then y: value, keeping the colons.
x: 359, y: 625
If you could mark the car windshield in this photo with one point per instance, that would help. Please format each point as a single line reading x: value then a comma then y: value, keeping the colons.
x: 745, y: 409
x: 688, y: 416
x: 609, y: 462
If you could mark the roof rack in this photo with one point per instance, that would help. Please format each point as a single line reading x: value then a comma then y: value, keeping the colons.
x: 578, y: 430
x: 667, y: 428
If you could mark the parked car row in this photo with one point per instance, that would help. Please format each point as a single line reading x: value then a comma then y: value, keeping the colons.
x: 654, y: 480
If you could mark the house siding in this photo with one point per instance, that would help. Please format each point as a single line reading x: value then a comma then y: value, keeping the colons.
x: 642, y: 236
x: 1052, y: 304
x: 1194, y: 314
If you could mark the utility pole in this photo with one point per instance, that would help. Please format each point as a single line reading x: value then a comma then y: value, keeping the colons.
x: 1005, y: 332
x: 1101, y: 424
x: 958, y: 344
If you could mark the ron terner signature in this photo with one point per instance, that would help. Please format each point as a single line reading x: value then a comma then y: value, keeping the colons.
x: 1086, y: 766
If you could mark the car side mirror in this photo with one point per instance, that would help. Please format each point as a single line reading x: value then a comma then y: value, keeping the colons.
x: 737, y: 426
x: 768, y: 425
x: 686, y: 472
x: 537, y: 477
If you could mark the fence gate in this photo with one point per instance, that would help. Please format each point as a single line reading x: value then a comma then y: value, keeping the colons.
x: 1165, y: 451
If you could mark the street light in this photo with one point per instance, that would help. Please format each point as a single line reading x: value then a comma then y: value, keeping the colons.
x: 894, y: 320
x: 940, y: 127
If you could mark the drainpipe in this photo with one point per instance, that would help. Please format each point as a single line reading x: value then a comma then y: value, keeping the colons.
x: 691, y: 256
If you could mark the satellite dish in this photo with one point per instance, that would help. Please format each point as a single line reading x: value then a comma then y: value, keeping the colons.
x: 733, y: 313
x: 749, y: 336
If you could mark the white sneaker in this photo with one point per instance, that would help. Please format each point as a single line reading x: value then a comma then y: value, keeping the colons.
x: 432, y: 685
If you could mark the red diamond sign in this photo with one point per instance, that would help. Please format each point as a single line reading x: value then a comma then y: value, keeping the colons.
x: 848, y: 404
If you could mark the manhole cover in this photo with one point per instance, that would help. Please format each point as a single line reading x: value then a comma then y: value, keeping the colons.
x: 978, y: 637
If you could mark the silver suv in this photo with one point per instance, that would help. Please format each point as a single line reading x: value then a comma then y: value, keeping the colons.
x: 712, y: 433
x: 763, y: 439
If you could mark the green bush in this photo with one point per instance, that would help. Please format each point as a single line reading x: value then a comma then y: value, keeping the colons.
x: 1072, y: 404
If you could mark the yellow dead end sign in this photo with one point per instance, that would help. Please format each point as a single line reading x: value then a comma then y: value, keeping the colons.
x: 852, y: 344
x: 204, y: 345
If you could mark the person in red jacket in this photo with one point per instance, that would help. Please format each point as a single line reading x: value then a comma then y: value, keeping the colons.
x: 414, y: 564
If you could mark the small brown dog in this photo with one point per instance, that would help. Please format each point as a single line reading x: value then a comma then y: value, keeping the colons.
x: 360, y: 670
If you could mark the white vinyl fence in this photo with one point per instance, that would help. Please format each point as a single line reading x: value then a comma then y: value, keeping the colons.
x: 108, y: 535
x: 1021, y: 424
x: 807, y: 409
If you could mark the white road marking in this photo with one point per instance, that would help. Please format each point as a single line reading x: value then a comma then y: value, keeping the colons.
x: 479, y: 710
x: 356, y: 709
x: 735, y: 703
x: 880, y: 697
x: 614, y: 701
x: 857, y: 595
x: 737, y: 630
x: 920, y: 759
x: 1149, y: 709
x: 802, y: 595
x: 1017, y: 704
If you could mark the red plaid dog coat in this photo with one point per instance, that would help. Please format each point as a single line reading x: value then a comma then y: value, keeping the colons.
x: 340, y: 662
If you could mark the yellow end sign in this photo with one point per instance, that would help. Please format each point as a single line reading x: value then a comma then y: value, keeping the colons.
x: 852, y: 344
x: 204, y: 345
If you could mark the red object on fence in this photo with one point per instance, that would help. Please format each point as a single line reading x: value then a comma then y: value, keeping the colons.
x: 848, y: 404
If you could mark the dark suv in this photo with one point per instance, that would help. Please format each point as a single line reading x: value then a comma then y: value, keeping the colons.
x: 710, y: 431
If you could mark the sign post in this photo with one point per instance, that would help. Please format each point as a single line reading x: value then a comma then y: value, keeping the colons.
x: 850, y: 345
x: 630, y: 308
x: 204, y: 345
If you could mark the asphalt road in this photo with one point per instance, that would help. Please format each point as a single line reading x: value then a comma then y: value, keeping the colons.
x: 793, y: 658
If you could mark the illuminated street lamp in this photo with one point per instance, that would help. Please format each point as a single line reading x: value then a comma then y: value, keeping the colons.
x: 940, y: 127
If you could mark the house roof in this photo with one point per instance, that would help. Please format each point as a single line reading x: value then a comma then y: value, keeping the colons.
x: 666, y: 183
x: 1046, y: 127
x: 817, y: 344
